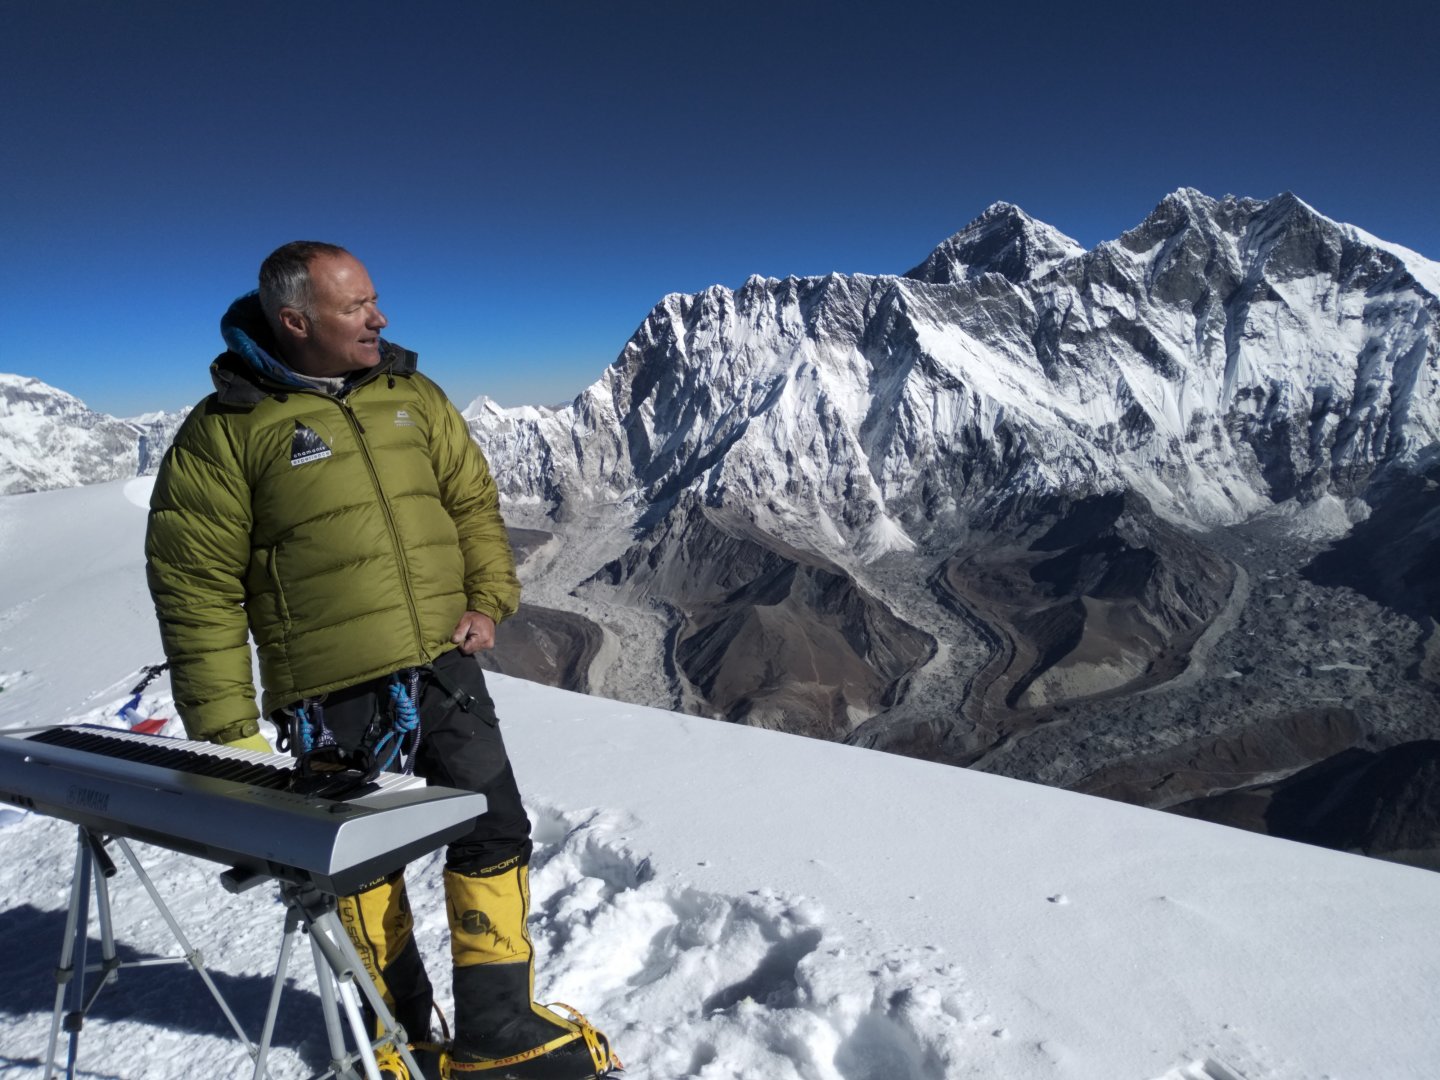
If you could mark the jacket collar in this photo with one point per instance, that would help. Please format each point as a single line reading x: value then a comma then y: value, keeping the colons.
x: 248, y: 371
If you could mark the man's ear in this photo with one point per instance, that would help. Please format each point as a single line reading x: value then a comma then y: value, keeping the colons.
x: 295, y: 322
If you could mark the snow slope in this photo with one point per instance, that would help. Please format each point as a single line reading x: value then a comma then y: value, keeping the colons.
x: 729, y: 902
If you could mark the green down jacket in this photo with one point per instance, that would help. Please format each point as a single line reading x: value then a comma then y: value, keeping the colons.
x: 347, y: 534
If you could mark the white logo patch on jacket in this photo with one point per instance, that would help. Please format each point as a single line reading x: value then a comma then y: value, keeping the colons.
x: 307, y: 446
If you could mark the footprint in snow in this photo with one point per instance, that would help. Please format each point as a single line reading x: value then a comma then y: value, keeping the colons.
x: 9, y: 817
x: 698, y: 983
x: 1206, y: 1069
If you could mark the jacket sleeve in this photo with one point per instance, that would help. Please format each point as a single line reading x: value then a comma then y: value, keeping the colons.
x: 468, y: 491
x: 197, y: 548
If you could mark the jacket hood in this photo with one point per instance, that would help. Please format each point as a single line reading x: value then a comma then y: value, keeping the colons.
x: 248, y: 371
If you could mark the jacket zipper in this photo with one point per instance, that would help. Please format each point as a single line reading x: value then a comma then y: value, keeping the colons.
x: 390, y: 526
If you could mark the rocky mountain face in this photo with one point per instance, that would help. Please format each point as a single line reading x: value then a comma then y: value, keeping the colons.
x: 1151, y: 520
x: 49, y: 439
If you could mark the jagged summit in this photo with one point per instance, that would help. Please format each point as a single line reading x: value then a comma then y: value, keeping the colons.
x: 1241, y: 243
x: 1187, y: 208
x: 23, y: 394
x: 1189, y: 196
x: 1003, y: 240
x: 1179, y: 211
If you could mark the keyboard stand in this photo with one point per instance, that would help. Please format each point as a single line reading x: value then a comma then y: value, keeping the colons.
x: 93, y: 870
x: 339, y: 971
x: 338, y: 968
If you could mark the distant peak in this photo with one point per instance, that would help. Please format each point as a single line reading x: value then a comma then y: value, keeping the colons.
x: 1190, y: 195
x: 26, y: 382
x: 1186, y: 202
x: 29, y: 393
x: 1182, y: 209
x: 1287, y: 202
x: 1196, y: 202
x: 480, y: 407
x: 1002, y: 240
x: 1000, y: 209
x: 1187, y: 207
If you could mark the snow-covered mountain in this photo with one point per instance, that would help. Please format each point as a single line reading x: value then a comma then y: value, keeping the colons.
x: 50, y: 439
x: 1023, y: 482
x: 732, y: 904
x: 1220, y: 357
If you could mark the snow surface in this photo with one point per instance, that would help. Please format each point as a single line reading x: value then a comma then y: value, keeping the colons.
x: 734, y: 903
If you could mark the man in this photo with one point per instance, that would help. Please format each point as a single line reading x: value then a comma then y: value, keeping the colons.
x: 329, y: 500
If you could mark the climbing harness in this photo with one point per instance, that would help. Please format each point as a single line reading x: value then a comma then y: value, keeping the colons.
x: 388, y: 733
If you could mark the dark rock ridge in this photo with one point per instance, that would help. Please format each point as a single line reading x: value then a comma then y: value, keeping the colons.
x: 1188, y: 776
x: 1385, y: 804
x: 546, y: 646
x: 1394, y: 555
x: 540, y: 643
x: 769, y: 636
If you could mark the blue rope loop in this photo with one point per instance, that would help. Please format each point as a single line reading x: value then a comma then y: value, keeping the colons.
x: 311, y: 733
x: 304, y: 733
x: 404, y: 690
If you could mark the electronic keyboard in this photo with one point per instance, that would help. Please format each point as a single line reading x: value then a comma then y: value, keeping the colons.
x: 250, y: 810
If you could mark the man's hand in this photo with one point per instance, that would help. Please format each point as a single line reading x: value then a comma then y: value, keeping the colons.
x: 474, y: 632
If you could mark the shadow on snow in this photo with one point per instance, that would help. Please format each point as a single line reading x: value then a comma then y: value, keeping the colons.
x: 169, y: 996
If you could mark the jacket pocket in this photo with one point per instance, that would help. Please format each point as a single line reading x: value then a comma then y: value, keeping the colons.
x: 272, y: 572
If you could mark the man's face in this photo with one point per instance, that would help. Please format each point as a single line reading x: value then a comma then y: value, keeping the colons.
x: 343, y: 331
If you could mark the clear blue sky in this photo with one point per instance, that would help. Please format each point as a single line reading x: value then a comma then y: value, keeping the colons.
x: 525, y: 180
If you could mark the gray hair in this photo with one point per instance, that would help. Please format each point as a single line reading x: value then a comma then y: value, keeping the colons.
x: 285, y: 277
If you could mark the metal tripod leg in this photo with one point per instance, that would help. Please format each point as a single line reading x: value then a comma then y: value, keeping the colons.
x: 192, y: 955
x: 287, y: 942
x: 77, y: 925
x: 341, y: 1061
x: 93, y: 867
x: 340, y: 973
x: 336, y: 990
